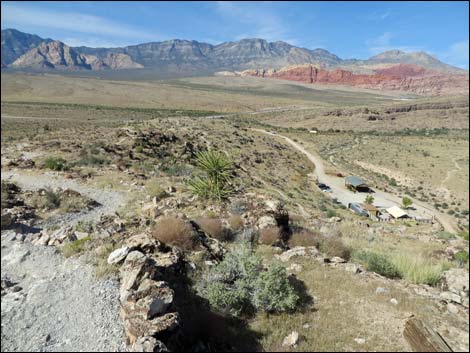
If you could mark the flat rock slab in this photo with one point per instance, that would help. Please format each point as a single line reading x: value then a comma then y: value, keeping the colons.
x: 61, y: 306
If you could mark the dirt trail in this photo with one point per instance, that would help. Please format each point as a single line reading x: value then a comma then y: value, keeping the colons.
x: 345, y: 196
x: 109, y: 200
x: 61, y: 306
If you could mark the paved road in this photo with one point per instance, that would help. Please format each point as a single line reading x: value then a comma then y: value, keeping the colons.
x: 381, y: 198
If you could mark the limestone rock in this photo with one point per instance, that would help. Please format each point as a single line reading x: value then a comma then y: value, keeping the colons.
x: 143, y: 242
x: 118, y: 255
x: 291, y: 339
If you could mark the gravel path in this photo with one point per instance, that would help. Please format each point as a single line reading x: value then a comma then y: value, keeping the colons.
x: 109, y: 200
x: 61, y: 307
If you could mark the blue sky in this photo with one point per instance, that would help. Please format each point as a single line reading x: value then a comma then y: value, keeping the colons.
x: 347, y: 29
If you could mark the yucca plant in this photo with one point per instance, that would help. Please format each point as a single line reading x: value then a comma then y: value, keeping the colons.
x: 217, y: 169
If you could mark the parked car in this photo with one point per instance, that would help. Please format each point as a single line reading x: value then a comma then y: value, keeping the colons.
x: 356, y: 208
x: 323, y: 187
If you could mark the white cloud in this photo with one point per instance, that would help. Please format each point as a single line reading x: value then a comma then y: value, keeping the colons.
x: 384, y: 42
x: 457, y: 54
x: 258, y: 19
x: 21, y: 16
x: 378, y: 16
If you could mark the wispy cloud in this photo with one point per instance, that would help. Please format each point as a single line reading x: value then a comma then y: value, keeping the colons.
x: 19, y: 15
x: 378, y: 16
x: 257, y: 19
x: 457, y: 54
x: 384, y: 42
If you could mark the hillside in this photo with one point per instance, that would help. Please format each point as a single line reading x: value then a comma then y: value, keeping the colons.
x: 193, y: 56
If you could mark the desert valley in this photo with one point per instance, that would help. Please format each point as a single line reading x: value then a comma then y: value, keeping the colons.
x: 251, y: 195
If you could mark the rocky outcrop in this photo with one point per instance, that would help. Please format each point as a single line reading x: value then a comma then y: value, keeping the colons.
x: 410, y: 78
x: 52, y: 55
x: 145, y: 294
x: 57, y: 55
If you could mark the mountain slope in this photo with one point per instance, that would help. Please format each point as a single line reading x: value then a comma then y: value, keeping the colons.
x: 16, y: 43
x: 195, y: 57
x: 57, y: 55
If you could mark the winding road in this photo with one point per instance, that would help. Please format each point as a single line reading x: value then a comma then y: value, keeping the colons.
x: 382, y: 199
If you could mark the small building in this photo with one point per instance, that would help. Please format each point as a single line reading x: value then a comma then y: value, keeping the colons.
x: 356, y: 183
x: 396, y: 212
x: 371, y: 210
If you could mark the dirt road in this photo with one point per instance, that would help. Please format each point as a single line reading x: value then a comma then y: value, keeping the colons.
x: 345, y: 196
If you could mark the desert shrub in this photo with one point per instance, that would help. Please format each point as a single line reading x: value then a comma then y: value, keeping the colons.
x: 50, y: 200
x: 461, y: 257
x: 269, y: 235
x: 369, y: 199
x: 305, y: 238
x: 236, y: 222
x: 445, y: 235
x: 92, y: 160
x: 74, y: 247
x: 154, y: 189
x: 378, y: 263
x: 56, y: 163
x: 335, y: 247
x: 239, y: 284
x: 73, y: 204
x: 174, y: 231
x: 418, y: 269
x: 273, y: 292
x: 215, y: 181
x: 213, y: 227
x: 406, y: 201
x: 330, y: 213
x: 463, y: 235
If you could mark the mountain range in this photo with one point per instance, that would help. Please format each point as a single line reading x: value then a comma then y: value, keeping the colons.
x: 27, y: 51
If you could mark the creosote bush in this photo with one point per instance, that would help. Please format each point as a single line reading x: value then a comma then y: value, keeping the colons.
x: 176, y: 232
x: 240, y: 285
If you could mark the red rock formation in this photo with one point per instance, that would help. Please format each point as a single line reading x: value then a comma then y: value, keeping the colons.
x: 402, y: 77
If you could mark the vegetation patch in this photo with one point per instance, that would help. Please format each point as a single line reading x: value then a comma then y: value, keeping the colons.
x: 176, y: 232
x: 240, y: 285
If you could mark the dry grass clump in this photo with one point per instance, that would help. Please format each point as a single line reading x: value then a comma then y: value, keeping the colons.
x: 176, y: 232
x: 213, y: 227
x: 335, y: 247
x: 305, y: 237
x: 236, y: 222
x: 269, y: 235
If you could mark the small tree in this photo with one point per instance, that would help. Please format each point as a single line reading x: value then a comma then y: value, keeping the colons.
x: 407, y: 202
x: 369, y: 199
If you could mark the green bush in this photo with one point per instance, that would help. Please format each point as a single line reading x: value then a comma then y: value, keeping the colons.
x: 215, y: 181
x: 273, y: 291
x: 461, y: 257
x: 379, y: 264
x: 74, y: 247
x: 419, y: 269
x: 445, y: 235
x: 240, y: 284
x: 56, y: 163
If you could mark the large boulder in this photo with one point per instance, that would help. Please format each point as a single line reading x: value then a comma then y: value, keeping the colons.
x: 136, y: 326
x: 456, y: 281
x: 143, y: 242
x: 152, y: 298
x: 135, y: 269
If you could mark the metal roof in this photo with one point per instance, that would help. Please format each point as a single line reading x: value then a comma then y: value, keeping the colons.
x: 396, y: 212
x: 355, y: 181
